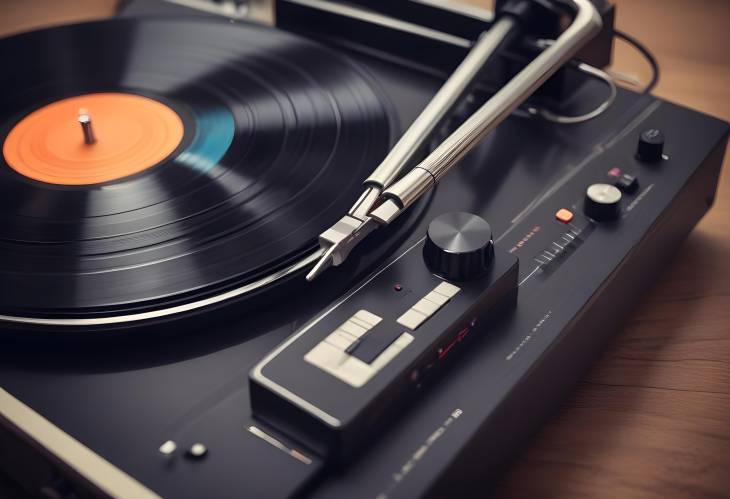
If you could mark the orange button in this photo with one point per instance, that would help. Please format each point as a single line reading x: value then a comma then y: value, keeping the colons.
x: 564, y: 215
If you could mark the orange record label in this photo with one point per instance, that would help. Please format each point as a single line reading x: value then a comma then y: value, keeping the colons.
x: 131, y: 132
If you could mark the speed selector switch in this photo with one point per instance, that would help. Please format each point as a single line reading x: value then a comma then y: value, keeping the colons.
x: 603, y: 202
x: 458, y: 246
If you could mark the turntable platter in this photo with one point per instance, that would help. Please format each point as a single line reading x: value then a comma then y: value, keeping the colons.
x: 219, y: 152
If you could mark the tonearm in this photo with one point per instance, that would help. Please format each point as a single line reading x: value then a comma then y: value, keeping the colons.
x: 384, y: 197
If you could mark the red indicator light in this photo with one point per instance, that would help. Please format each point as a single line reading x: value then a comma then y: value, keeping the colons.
x: 614, y: 172
x: 442, y: 352
x: 398, y: 287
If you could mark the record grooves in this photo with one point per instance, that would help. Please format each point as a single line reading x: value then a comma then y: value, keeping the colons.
x: 278, y: 135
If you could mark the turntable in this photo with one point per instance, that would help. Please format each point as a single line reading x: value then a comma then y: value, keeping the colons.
x: 334, y: 257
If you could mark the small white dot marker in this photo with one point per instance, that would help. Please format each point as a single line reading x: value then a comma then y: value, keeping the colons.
x: 197, y: 450
x: 168, y: 447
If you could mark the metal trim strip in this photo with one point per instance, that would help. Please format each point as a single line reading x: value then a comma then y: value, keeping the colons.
x: 92, y: 467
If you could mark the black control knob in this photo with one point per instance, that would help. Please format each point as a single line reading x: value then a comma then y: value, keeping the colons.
x: 458, y: 246
x: 603, y: 202
x: 651, y: 146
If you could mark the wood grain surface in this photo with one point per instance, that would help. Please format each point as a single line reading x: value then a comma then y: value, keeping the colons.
x: 652, y: 418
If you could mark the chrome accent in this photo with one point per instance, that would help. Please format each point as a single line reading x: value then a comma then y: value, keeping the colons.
x: 400, y: 195
x: 365, y: 203
x: 103, y: 475
x: 382, y: 20
x: 227, y: 8
x: 338, y: 241
x: 386, y: 212
x: 254, y: 430
x: 586, y: 24
x: 86, y: 128
x: 474, y: 11
x: 262, y: 11
x: 413, y: 185
x: 451, y: 93
x: 604, y: 193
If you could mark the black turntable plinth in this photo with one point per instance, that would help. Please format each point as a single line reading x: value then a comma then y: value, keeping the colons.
x: 144, y: 303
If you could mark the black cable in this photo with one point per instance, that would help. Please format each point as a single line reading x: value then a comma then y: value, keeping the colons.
x: 647, y: 55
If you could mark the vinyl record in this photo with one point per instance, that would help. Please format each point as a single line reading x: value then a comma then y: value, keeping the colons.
x: 219, y: 153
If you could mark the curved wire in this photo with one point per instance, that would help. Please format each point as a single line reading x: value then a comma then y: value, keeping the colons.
x: 647, y: 55
x: 589, y: 70
x: 572, y: 120
x: 605, y: 77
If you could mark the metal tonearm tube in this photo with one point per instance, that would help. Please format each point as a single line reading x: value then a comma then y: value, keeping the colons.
x: 383, y: 200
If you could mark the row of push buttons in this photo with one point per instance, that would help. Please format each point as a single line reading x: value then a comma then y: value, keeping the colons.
x: 428, y: 305
x: 331, y: 354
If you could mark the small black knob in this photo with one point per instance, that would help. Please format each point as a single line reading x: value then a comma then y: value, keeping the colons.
x: 458, y: 246
x: 651, y: 146
x: 603, y: 202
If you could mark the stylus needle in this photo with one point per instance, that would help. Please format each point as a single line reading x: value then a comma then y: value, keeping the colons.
x: 323, y: 263
x: 339, y: 240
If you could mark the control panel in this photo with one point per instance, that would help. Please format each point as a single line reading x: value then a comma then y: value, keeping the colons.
x: 344, y: 376
x: 600, y: 199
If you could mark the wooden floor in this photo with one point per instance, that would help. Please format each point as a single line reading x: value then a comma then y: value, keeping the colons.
x: 652, y: 418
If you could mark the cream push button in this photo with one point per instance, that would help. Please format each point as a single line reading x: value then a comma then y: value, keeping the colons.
x: 368, y: 318
x: 350, y: 369
x: 447, y: 289
x: 427, y: 306
x: 352, y: 328
x: 412, y: 319
x: 326, y: 356
x: 332, y: 354
x: 339, y: 339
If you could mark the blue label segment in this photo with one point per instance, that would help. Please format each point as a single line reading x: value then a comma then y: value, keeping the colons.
x: 213, y: 136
